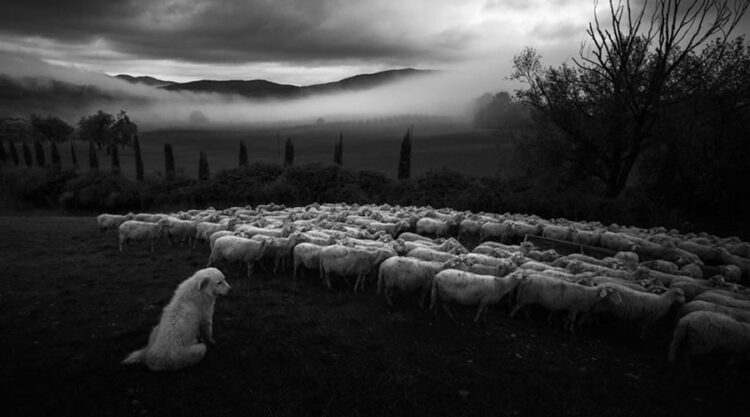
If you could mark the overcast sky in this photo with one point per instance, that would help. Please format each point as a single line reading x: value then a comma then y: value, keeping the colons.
x: 289, y: 41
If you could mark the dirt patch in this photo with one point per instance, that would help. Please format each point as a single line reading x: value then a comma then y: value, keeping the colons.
x: 72, y: 307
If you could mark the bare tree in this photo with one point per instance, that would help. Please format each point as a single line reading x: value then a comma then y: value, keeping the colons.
x: 607, y: 104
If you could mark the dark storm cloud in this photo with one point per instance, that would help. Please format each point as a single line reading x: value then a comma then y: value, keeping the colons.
x: 237, y: 31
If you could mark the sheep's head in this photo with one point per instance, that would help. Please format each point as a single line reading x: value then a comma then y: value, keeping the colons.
x: 611, y: 294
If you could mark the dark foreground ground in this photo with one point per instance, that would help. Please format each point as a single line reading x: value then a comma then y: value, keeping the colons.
x: 71, y: 308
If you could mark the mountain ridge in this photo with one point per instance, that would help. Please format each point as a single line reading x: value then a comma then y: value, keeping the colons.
x: 264, y: 89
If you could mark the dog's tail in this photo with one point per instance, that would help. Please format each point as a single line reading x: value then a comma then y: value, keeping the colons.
x: 135, y: 357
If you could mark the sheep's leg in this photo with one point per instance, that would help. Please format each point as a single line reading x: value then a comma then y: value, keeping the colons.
x: 482, y: 308
x: 120, y: 245
x: 515, y: 309
x: 250, y: 265
x: 448, y: 312
x: 387, y: 294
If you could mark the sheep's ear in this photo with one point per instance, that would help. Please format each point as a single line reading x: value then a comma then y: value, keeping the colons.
x: 203, y: 284
x: 603, y: 293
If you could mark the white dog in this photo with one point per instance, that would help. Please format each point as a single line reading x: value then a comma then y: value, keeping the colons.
x: 173, y: 343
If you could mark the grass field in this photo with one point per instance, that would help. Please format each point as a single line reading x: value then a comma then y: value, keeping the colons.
x: 366, y: 147
x: 72, y: 307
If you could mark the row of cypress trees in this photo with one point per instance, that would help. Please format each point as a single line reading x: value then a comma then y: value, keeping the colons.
x: 404, y: 164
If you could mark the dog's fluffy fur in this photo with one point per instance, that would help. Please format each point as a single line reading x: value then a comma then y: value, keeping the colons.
x: 174, y: 343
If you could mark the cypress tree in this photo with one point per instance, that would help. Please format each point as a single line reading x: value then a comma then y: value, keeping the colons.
x: 138, y: 159
x: 39, y: 151
x: 169, y: 162
x: 27, y: 154
x: 243, y: 154
x: 338, y: 150
x: 13, y: 153
x: 93, y: 160
x: 115, y: 154
x: 203, y: 173
x: 56, y: 161
x: 288, y: 152
x: 3, y: 155
x: 73, y: 157
x: 404, y: 159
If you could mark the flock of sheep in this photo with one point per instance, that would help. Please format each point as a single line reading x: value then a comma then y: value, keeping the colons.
x: 648, y: 274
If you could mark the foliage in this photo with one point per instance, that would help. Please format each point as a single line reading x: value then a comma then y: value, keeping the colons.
x: 15, y: 129
x: 122, y: 130
x: 608, y: 105
x: 500, y: 111
x: 51, y: 128
x: 35, y: 186
x: 404, y: 158
x: 95, y: 128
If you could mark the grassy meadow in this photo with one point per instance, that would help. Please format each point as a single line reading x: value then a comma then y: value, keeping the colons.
x: 367, y: 146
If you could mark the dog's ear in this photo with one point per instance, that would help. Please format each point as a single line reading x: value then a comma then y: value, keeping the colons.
x: 204, y: 283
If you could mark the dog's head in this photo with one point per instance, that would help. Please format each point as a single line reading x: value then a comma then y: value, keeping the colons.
x: 211, y: 281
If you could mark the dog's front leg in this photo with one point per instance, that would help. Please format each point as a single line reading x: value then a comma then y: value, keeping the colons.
x: 206, y: 330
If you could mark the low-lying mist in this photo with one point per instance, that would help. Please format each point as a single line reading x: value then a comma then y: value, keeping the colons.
x: 447, y: 93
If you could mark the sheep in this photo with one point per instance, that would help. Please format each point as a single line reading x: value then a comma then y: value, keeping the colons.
x: 204, y: 230
x: 428, y: 254
x: 520, y: 229
x: 662, y: 266
x: 427, y: 225
x: 307, y: 255
x: 237, y: 249
x: 249, y: 231
x: 731, y: 273
x: 392, y: 229
x: 742, y: 263
x: 640, y: 306
x: 551, y: 231
x: 617, y: 242
x: 111, y: 221
x: 560, y: 295
x: 466, y: 288
x: 408, y: 275
x: 215, y: 235
x: 698, y: 305
x: 704, y: 252
x: 692, y: 270
x: 183, y: 230
x: 718, y: 297
x: 501, y: 266
x: 629, y: 259
x: 347, y: 261
x: 281, y: 248
x: 587, y: 237
x: 414, y: 237
x: 468, y: 227
x: 646, y: 248
x: 704, y: 332
x: 138, y: 230
x: 501, y: 231
x: 680, y: 256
